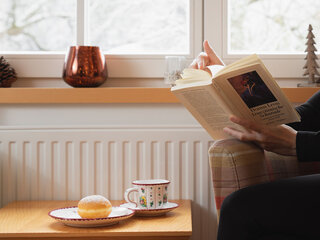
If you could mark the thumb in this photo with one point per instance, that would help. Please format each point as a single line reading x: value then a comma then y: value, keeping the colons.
x: 214, y: 59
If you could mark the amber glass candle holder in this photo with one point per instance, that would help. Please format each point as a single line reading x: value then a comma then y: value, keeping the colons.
x: 85, y: 66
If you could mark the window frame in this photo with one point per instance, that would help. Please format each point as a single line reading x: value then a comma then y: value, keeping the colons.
x: 49, y: 64
x: 216, y: 31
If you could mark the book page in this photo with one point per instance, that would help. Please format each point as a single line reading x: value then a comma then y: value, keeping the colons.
x: 249, y: 60
x: 206, y: 108
x: 252, y: 89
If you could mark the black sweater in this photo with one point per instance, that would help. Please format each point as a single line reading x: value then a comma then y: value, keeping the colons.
x: 308, y: 136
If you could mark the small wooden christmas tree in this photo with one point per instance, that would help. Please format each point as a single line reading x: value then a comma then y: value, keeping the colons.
x: 311, y: 64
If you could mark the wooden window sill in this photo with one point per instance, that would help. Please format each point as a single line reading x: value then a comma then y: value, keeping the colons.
x: 112, y: 95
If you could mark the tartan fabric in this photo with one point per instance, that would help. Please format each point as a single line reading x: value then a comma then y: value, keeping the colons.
x: 235, y: 165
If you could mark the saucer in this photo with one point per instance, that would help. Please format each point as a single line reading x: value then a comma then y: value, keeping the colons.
x: 151, y: 212
x: 69, y: 216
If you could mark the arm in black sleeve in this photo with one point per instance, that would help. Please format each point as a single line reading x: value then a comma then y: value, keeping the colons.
x: 310, y: 115
x: 308, y: 146
x: 308, y: 135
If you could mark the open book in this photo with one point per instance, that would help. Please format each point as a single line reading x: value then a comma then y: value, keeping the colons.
x: 244, y: 88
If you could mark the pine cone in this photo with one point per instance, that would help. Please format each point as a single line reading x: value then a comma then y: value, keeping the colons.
x: 7, y: 73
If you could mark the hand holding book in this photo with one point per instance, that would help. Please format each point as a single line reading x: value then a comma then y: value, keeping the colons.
x: 244, y: 89
x: 280, y: 139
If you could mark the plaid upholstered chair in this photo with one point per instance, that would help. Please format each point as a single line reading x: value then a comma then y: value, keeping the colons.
x: 235, y: 165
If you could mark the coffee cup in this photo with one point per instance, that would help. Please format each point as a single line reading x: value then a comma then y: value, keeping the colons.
x: 151, y: 193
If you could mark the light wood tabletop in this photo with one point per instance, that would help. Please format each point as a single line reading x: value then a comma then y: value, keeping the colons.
x: 30, y: 220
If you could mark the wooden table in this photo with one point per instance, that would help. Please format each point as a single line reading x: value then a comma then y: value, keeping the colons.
x: 30, y: 220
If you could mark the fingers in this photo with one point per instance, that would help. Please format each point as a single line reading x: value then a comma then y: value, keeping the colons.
x: 200, y: 62
x: 206, y: 58
x: 238, y: 134
x: 247, y: 124
x: 208, y: 49
x: 214, y: 59
x: 194, y: 64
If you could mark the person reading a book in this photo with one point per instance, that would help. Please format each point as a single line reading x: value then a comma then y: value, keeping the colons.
x: 284, y: 208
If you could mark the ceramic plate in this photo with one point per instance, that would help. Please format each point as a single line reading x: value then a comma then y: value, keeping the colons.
x: 150, y: 212
x: 70, y: 217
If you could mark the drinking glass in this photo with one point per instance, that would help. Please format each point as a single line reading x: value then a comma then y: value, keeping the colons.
x: 173, y: 68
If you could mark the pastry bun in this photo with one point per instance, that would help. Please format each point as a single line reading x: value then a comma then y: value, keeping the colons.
x: 94, y: 206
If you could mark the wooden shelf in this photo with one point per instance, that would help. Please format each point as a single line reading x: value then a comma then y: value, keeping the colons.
x: 112, y: 95
x: 87, y: 95
x: 299, y: 95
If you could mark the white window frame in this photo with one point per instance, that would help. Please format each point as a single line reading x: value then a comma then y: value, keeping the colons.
x: 49, y: 65
x: 216, y: 31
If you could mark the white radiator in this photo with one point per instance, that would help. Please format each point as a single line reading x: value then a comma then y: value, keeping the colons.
x: 68, y: 164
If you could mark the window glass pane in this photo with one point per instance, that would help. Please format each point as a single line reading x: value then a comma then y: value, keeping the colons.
x: 37, y: 25
x: 139, y: 26
x: 271, y: 26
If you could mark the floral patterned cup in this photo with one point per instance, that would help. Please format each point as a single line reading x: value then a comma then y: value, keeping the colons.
x: 152, y: 194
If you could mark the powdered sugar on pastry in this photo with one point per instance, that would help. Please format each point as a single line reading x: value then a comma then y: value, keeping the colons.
x: 94, y: 206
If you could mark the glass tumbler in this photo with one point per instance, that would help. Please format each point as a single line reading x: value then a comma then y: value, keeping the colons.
x: 174, y: 66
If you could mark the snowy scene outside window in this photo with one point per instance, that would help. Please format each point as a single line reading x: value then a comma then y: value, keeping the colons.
x: 37, y: 25
x: 139, y: 26
x: 271, y: 26
x: 117, y: 26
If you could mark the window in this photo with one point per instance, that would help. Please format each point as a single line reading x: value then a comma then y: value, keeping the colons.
x: 37, y: 25
x: 134, y: 35
x: 274, y: 29
x: 140, y: 26
x: 278, y: 26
